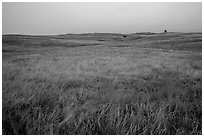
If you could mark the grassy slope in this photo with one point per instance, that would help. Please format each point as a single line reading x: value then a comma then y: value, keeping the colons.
x: 102, y: 84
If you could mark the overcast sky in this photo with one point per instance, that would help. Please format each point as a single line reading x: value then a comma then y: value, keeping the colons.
x: 60, y: 18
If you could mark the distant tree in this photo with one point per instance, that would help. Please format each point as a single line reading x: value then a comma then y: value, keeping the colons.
x: 165, y: 31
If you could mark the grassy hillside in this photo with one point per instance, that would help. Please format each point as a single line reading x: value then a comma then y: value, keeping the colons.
x: 98, y: 83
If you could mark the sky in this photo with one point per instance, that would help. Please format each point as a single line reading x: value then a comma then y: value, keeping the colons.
x: 115, y: 17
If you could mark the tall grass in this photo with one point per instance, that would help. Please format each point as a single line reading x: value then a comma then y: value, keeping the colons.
x: 48, y: 88
x: 163, y: 103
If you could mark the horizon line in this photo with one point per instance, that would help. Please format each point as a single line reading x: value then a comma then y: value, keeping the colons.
x: 96, y: 33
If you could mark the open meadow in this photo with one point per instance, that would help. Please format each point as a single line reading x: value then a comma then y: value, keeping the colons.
x: 102, y: 83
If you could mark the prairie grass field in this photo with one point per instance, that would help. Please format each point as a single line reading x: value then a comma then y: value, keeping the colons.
x: 102, y: 84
